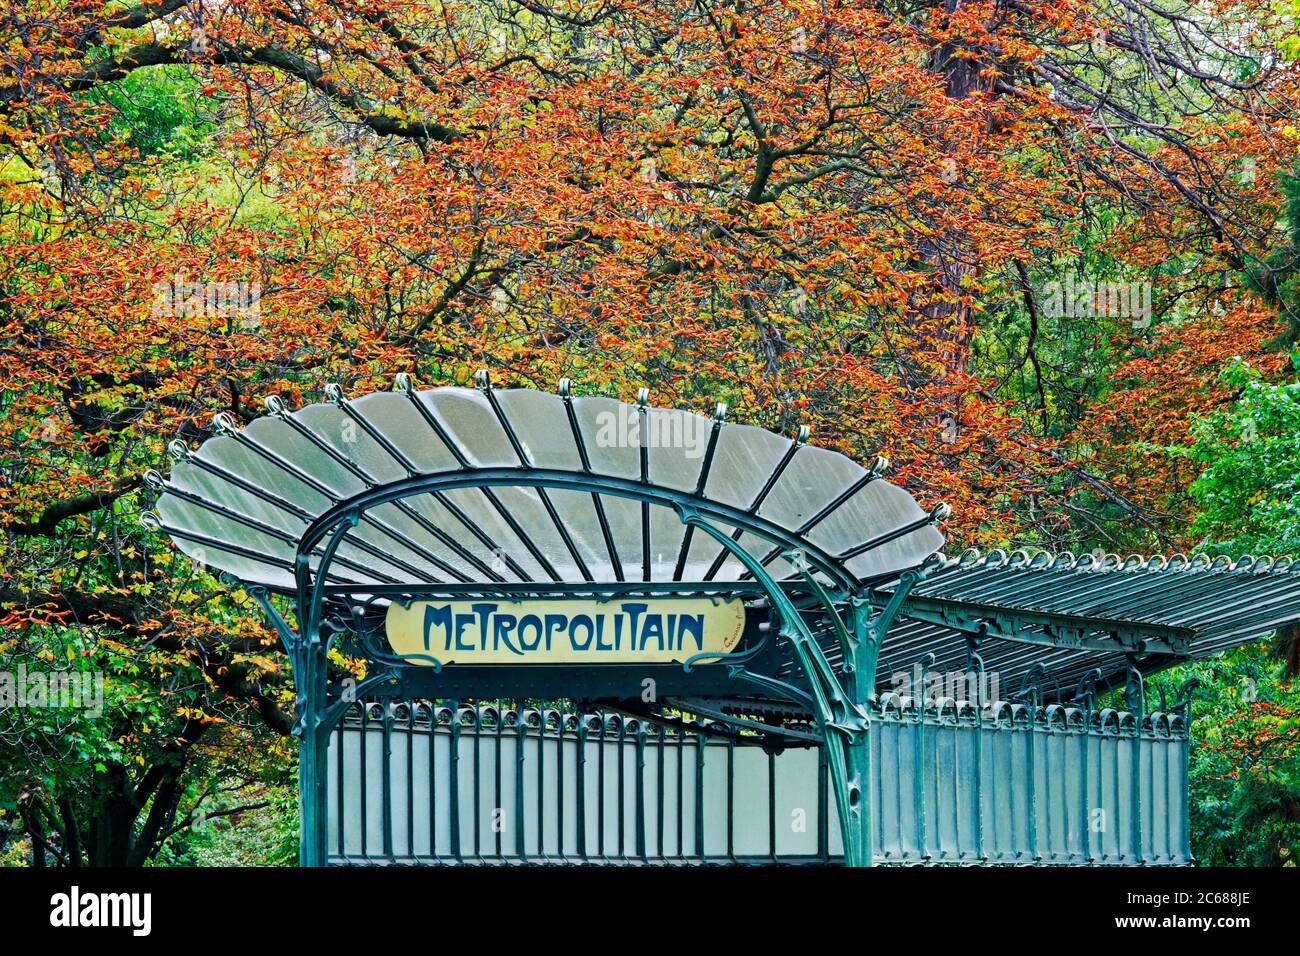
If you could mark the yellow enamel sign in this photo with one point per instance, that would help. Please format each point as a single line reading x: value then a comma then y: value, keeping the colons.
x: 565, y: 631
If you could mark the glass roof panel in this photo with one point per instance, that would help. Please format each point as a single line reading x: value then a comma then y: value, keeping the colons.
x: 291, y: 448
x: 397, y: 417
x: 470, y: 422
x: 745, y: 458
x: 300, y: 465
x: 229, y: 454
x: 345, y: 439
x: 206, y: 523
x: 813, y: 479
x: 210, y: 487
x: 676, y: 442
x: 541, y: 426
x: 610, y: 431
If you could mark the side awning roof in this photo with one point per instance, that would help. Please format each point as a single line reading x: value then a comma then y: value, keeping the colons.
x: 1068, y: 618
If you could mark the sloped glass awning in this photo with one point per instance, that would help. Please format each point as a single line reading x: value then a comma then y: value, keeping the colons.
x: 483, y: 491
x: 483, y: 486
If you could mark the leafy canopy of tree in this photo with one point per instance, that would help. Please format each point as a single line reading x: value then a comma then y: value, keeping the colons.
x: 1245, y: 767
x: 833, y: 213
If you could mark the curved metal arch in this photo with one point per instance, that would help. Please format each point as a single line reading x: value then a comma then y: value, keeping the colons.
x: 350, y: 509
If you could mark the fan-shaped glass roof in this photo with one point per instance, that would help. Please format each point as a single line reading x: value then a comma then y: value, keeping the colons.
x: 465, y: 488
x: 470, y: 485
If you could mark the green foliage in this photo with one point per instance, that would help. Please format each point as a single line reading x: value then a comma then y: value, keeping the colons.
x: 1244, y: 776
x: 159, y: 110
x: 1277, y: 278
x: 1248, y: 496
x: 265, y: 833
x: 1244, y: 773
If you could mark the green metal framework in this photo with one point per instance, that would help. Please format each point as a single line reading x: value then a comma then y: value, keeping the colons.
x: 839, y: 707
x: 378, y: 518
x: 420, y: 782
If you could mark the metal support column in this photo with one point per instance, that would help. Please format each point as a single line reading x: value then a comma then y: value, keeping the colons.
x: 842, y: 715
x: 317, y: 715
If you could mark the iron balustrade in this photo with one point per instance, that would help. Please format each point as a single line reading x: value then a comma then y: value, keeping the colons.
x: 422, y: 782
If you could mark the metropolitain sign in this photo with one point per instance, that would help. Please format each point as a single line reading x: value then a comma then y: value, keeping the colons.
x: 565, y: 631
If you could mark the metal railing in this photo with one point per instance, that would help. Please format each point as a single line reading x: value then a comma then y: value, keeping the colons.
x: 430, y: 783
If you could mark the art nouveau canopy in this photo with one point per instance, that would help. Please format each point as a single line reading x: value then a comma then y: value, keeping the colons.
x: 477, y: 490
x: 402, y: 522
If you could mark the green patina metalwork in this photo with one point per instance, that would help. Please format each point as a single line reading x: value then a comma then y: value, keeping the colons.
x: 1101, y: 623
x: 840, y: 713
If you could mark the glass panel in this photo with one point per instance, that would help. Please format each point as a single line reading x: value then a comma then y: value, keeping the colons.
x: 426, y: 545
x: 441, y: 517
x: 742, y: 463
x: 183, y: 515
x: 700, y: 557
x: 395, y: 416
x: 470, y: 422
x: 813, y: 479
x: 391, y: 548
x: 335, y: 428
x: 905, y: 552
x: 233, y: 457
x: 525, y: 506
x: 210, y: 487
x: 732, y: 569
x: 609, y: 431
x: 579, y: 517
x: 476, y: 507
x: 875, y: 509
x: 281, y: 440
x: 244, y: 569
x: 677, y: 442
x: 624, y: 516
x: 542, y: 426
x: 666, y: 534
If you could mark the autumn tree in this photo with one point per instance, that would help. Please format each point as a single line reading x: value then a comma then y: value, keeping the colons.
x: 830, y: 213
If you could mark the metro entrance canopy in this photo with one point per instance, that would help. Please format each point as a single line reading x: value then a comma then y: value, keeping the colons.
x: 483, y: 543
